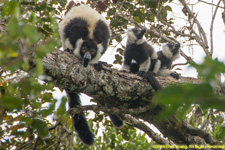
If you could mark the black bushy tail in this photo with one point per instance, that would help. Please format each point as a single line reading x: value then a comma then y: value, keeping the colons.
x: 151, y: 79
x: 154, y: 82
x: 79, y: 121
x: 116, y: 120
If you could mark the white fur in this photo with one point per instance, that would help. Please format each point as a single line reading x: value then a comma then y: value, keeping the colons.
x: 176, y: 56
x: 157, y: 67
x: 133, y: 61
x: 66, y: 44
x: 83, y: 11
x: 164, y: 72
x: 131, y: 38
x: 125, y: 67
x: 166, y: 51
x: 154, y: 54
x: 145, y: 65
x: 76, y: 51
x: 98, y: 55
x: 140, y: 41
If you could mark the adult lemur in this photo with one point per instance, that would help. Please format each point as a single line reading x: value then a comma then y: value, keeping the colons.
x: 139, y: 53
x: 85, y: 33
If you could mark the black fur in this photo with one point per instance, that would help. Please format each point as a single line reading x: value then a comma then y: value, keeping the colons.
x: 75, y: 29
x: 79, y: 121
x: 101, y: 34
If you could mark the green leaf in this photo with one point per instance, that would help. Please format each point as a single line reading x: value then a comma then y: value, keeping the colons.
x: 168, y: 8
x: 11, y: 103
x: 13, y: 27
x: 41, y: 127
x: 221, y: 134
x: 49, y: 111
x: 137, y: 19
x: 62, y: 107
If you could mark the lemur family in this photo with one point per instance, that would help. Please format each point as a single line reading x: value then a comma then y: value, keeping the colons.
x: 86, y: 34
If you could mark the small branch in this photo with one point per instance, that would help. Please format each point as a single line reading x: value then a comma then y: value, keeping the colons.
x: 211, y: 27
x: 199, y: 132
x: 142, y: 126
x: 179, y: 64
x: 201, y: 31
x: 35, y: 144
x: 209, y: 3
x: 113, y: 110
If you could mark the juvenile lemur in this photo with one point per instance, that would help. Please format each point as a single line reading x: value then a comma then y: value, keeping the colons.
x: 85, y: 33
x: 169, y: 53
x: 139, y: 53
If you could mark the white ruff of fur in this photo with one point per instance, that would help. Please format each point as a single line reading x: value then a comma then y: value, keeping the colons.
x: 176, y: 56
x: 66, y: 44
x: 76, y: 51
x: 140, y: 41
x: 131, y: 38
x: 82, y: 11
x: 166, y: 51
x: 98, y: 55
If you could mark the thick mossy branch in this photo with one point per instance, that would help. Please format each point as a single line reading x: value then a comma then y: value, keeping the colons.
x: 120, y: 90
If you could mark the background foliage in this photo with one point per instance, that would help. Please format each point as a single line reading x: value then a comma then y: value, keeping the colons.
x: 27, y: 103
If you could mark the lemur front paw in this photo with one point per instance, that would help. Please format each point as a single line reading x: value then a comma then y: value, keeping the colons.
x: 69, y: 50
x: 99, y: 65
x: 175, y: 75
x: 143, y: 74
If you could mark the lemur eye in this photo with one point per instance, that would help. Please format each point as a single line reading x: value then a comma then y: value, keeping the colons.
x: 84, y: 49
x: 93, y: 52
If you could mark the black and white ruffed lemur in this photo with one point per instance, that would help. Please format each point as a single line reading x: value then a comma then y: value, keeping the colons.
x: 169, y: 53
x: 139, y: 55
x: 86, y: 34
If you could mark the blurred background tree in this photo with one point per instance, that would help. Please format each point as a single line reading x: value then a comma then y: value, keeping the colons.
x: 26, y: 99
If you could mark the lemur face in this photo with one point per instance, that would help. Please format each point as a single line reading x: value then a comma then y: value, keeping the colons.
x: 174, y: 48
x: 88, y: 51
x: 171, y: 51
x: 135, y: 34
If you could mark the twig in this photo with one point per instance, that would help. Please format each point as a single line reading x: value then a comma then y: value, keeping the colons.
x: 142, y: 126
x: 211, y: 27
x: 209, y: 3
x: 113, y: 110
x: 201, y: 31
x: 35, y: 144
x: 179, y: 64
x: 199, y: 132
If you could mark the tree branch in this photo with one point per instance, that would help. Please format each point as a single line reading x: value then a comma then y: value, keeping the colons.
x: 124, y: 91
x: 204, y: 42
x: 211, y: 27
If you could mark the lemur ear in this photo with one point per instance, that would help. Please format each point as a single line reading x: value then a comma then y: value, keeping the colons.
x: 143, y: 31
x: 177, y: 45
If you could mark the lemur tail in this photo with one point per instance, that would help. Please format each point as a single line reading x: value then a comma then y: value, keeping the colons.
x: 79, y: 121
x: 154, y: 82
